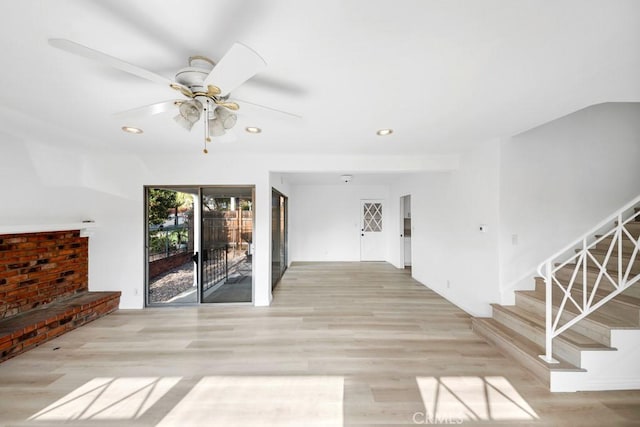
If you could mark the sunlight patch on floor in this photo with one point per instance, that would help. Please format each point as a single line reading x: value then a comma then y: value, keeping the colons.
x: 234, y: 401
x: 108, y: 399
x: 472, y: 398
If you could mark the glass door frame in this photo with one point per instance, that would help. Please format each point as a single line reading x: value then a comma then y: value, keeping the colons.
x: 195, y: 191
x: 198, y: 240
x: 250, y: 246
x: 282, y: 235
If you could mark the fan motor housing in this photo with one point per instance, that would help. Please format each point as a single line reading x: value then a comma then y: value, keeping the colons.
x: 193, y: 76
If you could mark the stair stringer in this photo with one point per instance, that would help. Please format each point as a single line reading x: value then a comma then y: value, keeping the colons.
x: 605, y: 370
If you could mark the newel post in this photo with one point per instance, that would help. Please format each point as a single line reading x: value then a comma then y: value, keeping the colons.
x: 548, y: 356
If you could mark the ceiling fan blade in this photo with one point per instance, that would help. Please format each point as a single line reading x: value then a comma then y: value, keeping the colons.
x: 95, y: 55
x: 149, y: 110
x: 237, y: 66
x: 275, y: 84
x: 243, y: 102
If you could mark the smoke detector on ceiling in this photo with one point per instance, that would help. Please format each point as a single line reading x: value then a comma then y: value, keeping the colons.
x: 346, y: 178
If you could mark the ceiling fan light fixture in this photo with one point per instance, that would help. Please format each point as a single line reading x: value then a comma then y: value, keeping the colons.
x: 216, y: 127
x: 191, y: 110
x: 384, y: 132
x: 253, y: 129
x: 183, y: 122
x: 131, y: 129
x: 226, y: 117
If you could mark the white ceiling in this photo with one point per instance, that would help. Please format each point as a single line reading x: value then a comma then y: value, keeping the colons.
x: 335, y: 178
x: 443, y: 74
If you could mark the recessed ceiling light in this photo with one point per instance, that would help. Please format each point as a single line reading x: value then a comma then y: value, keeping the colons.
x: 383, y: 132
x: 253, y: 129
x: 133, y: 130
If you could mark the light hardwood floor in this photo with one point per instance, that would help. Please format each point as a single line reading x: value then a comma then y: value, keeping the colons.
x: 343, y: 344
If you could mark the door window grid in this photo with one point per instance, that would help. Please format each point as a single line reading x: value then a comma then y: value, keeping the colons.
x: 372, y: 217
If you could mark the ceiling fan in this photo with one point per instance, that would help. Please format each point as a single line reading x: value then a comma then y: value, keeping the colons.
x: 206, y: 85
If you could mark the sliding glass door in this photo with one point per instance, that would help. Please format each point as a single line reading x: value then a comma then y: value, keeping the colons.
x: 279, y: 236
x: 227, y: 239
x: 170, y: 245
x: 199, y: 245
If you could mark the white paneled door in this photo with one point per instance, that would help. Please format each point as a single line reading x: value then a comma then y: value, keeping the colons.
x: 372, y: 246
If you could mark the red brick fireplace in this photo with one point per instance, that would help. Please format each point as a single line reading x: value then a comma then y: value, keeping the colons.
x: 44, y: 288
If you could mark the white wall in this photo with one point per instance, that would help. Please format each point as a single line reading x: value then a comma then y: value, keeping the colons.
x: 43, y: 183
x: 449, y: 254
x: 280, y: 183
x: 325, y: 220
x: 589, y: 159
x: 194, y: 168
x: 562, y: 178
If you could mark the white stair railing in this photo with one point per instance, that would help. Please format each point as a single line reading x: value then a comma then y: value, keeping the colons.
x: 582, y: 262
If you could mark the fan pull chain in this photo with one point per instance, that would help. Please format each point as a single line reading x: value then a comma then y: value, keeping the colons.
x: 206, y: 127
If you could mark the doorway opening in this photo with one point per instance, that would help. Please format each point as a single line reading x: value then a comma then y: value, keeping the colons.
x: 199, y: 245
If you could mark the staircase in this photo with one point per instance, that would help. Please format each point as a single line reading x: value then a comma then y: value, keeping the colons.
x: 590, y: 339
